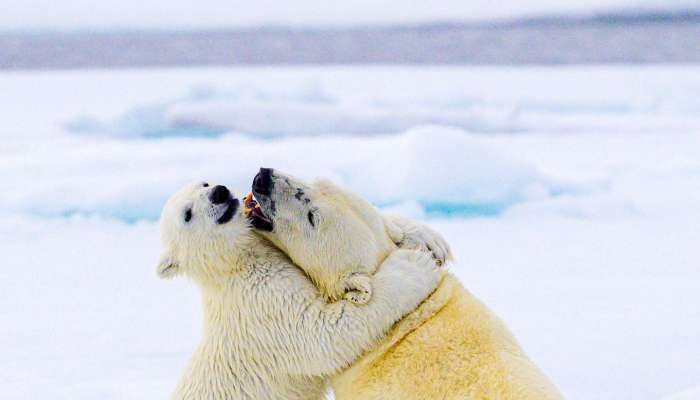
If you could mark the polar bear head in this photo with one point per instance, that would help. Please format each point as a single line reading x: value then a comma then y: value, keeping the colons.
x: 202, y: 229
x: 329, y: 232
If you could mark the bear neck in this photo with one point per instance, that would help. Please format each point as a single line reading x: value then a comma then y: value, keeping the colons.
x: 209, y: 368
x: 214, y: 270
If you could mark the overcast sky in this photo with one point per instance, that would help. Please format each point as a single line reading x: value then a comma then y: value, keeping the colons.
x: 194, y: 14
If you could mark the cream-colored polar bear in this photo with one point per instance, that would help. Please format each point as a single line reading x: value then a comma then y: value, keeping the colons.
x: 336, y: 236
x: 451, y: 347
x: 268, y: 333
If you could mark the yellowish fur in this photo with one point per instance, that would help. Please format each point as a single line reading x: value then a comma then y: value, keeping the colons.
x: 450, y: 347
x: 327, y: 261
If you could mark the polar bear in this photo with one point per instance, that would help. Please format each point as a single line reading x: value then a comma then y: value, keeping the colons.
x: 365, y: 240
x: 451, y: 347
x: 268, y: 333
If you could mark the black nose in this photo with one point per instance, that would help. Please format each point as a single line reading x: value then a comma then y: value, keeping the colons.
x: 219, y: 195
x: 262, y: 183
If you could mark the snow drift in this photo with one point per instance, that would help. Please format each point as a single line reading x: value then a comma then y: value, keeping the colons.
x: 444, y: 171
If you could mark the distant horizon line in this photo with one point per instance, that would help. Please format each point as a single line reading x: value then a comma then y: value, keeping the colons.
x: 639, y: 38
x: 618, y: 17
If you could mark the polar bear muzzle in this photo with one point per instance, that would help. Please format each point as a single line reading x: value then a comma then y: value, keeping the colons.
x: 262, y: 182
x: 221, y: 195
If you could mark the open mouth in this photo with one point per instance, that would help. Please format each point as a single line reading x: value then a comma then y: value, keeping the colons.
x: 255, y: 214
x: 232, y: 206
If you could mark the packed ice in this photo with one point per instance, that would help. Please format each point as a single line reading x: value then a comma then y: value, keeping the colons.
x: 571, y: 197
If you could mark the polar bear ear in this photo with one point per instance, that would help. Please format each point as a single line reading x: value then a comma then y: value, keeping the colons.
x: 167, y: 267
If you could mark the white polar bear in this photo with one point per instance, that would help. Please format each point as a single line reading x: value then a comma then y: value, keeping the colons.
x: 334, y: 234
x: 268, y: 333
x: 451, y: 347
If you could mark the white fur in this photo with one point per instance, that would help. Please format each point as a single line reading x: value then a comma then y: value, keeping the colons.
x: 409, y: 234
x: 338, y: 237
x: 268, y: 333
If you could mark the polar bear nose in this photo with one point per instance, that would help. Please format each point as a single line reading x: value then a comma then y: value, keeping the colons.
x: 219, y: 195
x: 263, y: 181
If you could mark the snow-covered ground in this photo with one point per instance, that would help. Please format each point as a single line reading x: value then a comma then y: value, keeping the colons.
x: 571, y: 197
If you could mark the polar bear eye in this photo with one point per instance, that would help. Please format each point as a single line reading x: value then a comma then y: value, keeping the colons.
x: 188, y: 215
x: 205, y: 184
x: 310, y: 216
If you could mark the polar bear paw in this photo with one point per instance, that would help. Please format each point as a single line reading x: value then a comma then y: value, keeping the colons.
x: 417, y: 236
x: 358, y: 288
x: 415, y: 270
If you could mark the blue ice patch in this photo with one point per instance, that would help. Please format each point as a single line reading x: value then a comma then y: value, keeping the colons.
x: 447, y: 209
x: 146, y: 122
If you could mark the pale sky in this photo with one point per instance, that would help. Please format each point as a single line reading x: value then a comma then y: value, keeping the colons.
x: 195, y: 14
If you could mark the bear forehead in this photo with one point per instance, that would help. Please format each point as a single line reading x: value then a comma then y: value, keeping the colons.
x: 187, y: 194
x: 345, y: 203
x: 172, y: 210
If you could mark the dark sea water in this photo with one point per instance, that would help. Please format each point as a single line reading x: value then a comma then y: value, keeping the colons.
x: 635, y: 40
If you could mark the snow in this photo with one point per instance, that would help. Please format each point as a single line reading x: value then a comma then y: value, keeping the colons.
x: 617, y: 102
x: 582, y: 235
x: 690, y: 394
x: 141, y: 174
